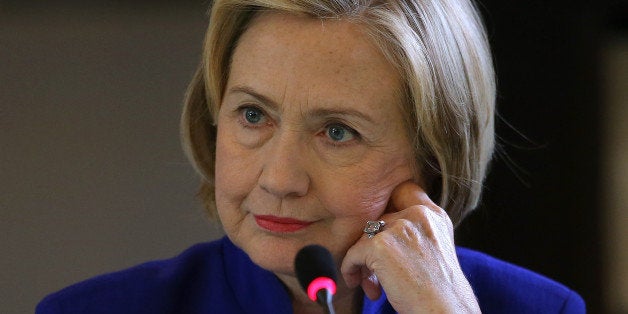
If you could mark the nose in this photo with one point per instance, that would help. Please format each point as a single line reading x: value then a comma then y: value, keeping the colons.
x: 284, y: 171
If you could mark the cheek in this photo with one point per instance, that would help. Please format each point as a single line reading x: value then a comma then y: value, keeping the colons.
x: 234, y: 174
x: 365, y: 190
x: 223, y: 164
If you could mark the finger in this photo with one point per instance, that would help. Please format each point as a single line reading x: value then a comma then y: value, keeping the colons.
x: 409, y: 194
x: 352, y: 266
x: 370, y: 284
x: 355, y: 271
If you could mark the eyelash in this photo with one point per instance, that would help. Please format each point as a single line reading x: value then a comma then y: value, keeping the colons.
x: 246, y: 124
x: 352, y: 131
x: 242, y: 118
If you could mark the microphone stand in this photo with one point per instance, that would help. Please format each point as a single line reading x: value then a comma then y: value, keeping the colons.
x: 323, y: 297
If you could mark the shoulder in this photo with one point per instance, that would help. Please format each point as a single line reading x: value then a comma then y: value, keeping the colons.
x: 152, y: 287
x: 503, y: 287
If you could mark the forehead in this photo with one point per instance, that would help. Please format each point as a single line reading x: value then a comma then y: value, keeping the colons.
x: 337, y: 40
x: 327, y: 59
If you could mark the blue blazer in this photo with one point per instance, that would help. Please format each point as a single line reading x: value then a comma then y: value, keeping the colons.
x: 218, y: 277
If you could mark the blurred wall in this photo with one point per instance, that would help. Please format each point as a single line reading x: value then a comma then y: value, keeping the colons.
x: 615, y: 170
x: 541, y: 208
x: 92, y: 177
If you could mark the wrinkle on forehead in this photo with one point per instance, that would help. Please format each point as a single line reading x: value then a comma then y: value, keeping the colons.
x: 341, y: 47
x: 308, y: 68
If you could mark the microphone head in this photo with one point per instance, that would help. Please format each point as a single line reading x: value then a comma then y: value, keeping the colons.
x: 313, y: 262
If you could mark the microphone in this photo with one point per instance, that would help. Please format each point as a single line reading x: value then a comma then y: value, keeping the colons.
x: 316, y: 272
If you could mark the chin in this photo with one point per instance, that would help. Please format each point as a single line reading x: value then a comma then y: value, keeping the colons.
x: 273, y: 253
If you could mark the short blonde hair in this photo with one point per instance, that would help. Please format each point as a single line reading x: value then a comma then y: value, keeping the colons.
x: 440, y: 49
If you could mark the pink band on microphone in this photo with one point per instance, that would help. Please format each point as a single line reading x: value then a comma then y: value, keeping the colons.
x: 318, y: 284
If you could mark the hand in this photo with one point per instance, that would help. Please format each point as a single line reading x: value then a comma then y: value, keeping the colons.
x: 413, y: 258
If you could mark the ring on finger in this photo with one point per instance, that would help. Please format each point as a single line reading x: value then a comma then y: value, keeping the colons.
x: 374, y: 227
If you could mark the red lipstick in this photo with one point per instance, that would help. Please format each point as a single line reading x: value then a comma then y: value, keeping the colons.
x: 280, y: 224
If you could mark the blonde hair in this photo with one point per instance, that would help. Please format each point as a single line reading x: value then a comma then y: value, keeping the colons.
x: 441, y: 51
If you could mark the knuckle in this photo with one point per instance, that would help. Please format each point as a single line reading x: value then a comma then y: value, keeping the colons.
x: 417, y: 213
x: 444, y: 218
x: 402, y: 226
x: 383, y: 241
x: 440, y: 212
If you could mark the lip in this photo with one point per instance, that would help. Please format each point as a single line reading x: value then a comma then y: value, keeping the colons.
x: 280, y: 224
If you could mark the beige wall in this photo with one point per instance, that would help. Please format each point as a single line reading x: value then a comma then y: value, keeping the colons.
x: 615, y: 167
x: 92, y: 175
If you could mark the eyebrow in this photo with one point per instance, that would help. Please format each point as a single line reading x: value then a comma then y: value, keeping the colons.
x: 318, y: 113
x: 251, y: 92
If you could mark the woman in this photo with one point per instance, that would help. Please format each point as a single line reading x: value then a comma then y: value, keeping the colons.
x: 308, y: 119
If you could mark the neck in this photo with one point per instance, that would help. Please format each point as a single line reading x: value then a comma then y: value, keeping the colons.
x: 346, y: 301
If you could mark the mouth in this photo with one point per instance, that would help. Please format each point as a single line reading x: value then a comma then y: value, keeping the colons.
x: 280, y: 224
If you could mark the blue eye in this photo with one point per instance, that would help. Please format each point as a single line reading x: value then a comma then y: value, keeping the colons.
x: 253, y: 115
x: 340, y: 133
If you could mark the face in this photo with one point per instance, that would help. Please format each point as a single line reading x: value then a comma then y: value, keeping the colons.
x: 311, y: 139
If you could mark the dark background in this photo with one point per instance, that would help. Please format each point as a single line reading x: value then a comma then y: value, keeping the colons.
x: 92, y: 177
x: 542, y: 206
